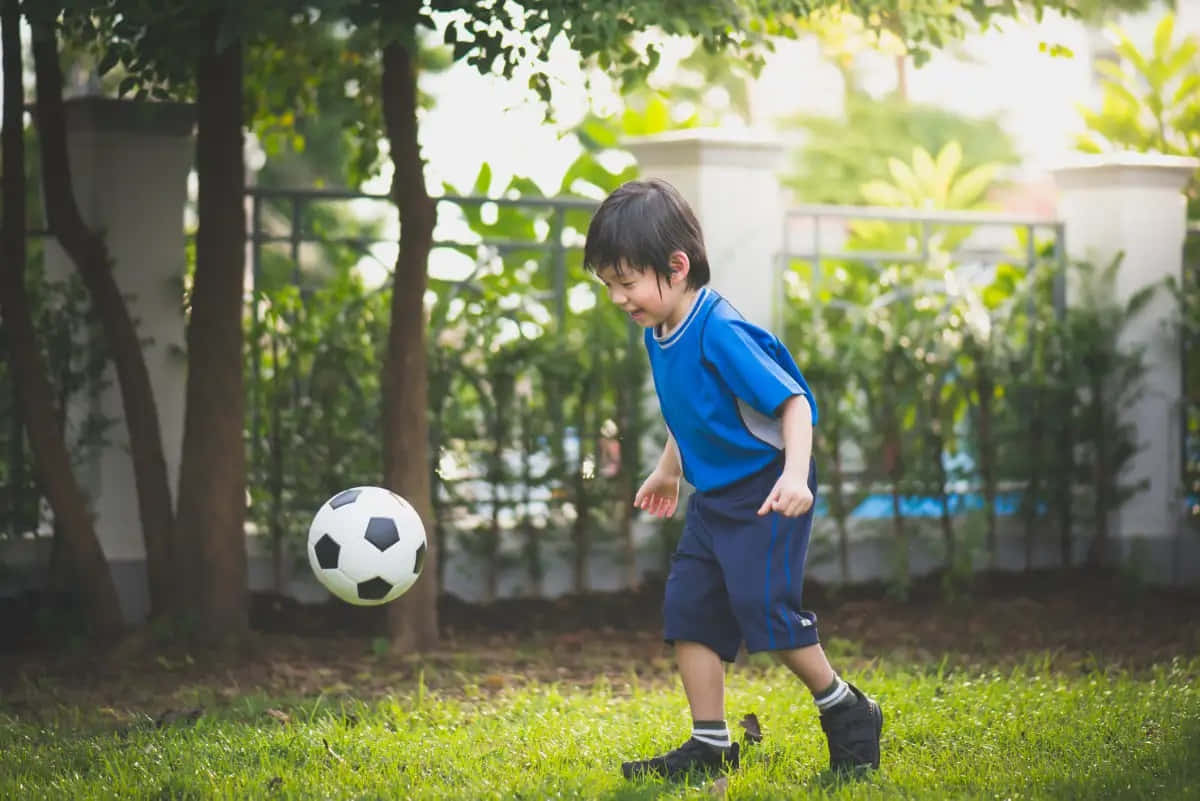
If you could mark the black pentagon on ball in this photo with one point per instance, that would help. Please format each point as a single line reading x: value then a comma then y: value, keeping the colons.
x: 420, y: 560
x: 327, y: 551
x: 343, y: 498
x: 381, y: 532
x: 374, y: 589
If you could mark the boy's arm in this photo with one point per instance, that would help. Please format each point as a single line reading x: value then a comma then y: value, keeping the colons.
x: 791, y: 496
x: 659, y: 493
x: 669, y: 462
x: 796, y: 422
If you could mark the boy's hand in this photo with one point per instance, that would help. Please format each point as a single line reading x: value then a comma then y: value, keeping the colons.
x: 790, y: 496
x: 658, y: 495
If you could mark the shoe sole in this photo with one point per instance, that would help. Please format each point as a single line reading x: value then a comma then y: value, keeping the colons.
x: 728, y: 765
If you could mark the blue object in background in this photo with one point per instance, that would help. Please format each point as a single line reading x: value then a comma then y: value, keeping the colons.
x: 879, y: 505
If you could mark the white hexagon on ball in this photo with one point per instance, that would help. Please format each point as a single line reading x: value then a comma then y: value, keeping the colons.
x: 366, y: 545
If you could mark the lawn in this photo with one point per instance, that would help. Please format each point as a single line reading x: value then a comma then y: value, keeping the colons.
x: 1025, y: 732
x: 997, y: 698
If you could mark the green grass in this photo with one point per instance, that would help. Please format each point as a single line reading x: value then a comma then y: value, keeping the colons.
x: 1025, y: 733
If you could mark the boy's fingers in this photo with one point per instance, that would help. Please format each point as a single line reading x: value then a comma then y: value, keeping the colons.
x: 769, y: 502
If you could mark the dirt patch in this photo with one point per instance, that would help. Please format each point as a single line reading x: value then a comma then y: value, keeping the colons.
x: 1073, y: 620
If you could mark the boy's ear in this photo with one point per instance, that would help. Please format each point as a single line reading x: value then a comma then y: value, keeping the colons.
x: 680, y: 266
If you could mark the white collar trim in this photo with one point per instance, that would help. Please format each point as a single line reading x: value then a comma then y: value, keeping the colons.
x: 673, y: 337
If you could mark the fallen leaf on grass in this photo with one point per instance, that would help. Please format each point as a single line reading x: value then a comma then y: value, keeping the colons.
x: 753, y: 730
x: 331, y: 752
x: 283, y: 717
x: 178, y: 716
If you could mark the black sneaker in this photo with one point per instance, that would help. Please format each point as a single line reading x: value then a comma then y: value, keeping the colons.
x: 693, y: 755
x: 853, y: 734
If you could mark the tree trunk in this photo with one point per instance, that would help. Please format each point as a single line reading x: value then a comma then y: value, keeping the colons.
x: 1033, y: 491
x: 89, y: 254
x: 51, y: 459
x: 629, y: 463
x: 837, y: 490
x: 937, y: 447
x: 893, y: 450
x: 412, y: 619
x: 212, y: 474
x: 581, y: 527
x: 985, y: 387
x: 1064, y: 477
x: 533, y: 540
x: 1104, y: 486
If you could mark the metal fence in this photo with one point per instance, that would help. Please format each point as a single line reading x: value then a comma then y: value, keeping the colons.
x: 817, y: 233
x: 533, y: 436
x: 563, y: 458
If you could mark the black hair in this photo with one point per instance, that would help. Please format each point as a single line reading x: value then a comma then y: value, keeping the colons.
x: 640, y: 225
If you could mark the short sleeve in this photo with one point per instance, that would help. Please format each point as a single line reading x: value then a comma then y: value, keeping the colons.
x: 754, y: 364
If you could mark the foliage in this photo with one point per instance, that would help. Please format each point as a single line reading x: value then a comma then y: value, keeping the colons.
x: 1150, y: 100
x: 158, y: 46
x: 1187, y: 295
x: 939, y: 365
x: 1109, y: 379
x: 840, y: 156
x: 313, y: 411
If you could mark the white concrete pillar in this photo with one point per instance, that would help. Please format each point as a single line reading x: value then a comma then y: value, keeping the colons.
x: 1133, y: 203
x: 130, y: 162
x: 1187, y: 19
x: 730, y: 178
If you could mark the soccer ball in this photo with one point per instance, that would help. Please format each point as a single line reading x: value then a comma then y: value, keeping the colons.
x: 366, y: 545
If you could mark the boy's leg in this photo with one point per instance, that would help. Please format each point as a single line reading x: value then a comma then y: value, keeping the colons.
x: 810, y: 665
x: 709, y: 748
x: 852, y: 721
x: 703, y: 676
x: 701, y: 626
x: 764, y: 559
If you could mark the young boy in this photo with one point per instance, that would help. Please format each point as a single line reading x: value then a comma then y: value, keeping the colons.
x: 740, y: 418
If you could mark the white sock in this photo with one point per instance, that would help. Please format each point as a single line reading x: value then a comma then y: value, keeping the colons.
x: 835, y: 694
x: 713, y: 732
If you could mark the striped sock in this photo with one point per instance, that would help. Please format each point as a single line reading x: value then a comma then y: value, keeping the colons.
x: 712, y: 732
x: 834, y: 695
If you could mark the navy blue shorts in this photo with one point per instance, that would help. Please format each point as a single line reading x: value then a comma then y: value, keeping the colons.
x: 736, y: 576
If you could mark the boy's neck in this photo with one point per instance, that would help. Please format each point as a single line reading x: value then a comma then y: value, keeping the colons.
x: 686, y: 301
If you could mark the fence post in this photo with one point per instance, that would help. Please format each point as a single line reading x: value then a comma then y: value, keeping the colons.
x: 730, y: 179
x: 1132, y: 203
x: 130, y: 162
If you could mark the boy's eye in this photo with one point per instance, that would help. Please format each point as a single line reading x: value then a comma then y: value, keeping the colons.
x: 627, y: 284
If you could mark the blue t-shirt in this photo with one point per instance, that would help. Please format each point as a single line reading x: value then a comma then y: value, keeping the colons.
x: 721, y: 382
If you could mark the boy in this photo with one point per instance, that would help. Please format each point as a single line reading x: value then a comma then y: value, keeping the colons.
x: 740, y: 419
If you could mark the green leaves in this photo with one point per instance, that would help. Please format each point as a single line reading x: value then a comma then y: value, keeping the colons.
x: 1150, y: 100
x: 840, y: 157
x: 932, y: 182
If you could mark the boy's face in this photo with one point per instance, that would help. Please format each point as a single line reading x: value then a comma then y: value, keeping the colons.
x: 646, y: 297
